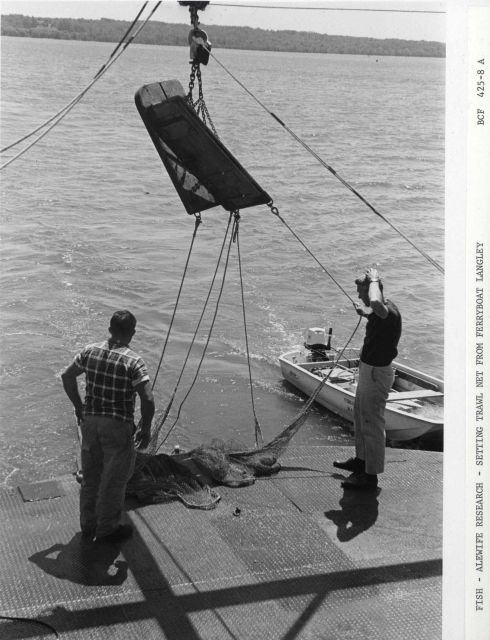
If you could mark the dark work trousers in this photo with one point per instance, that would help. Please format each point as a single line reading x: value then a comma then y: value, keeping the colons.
x: 108, y: 458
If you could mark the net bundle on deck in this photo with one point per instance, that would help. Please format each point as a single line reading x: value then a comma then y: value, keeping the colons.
x: 192, y: 477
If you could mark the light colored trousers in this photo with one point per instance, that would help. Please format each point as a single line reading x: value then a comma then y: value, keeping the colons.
x: 108, y: 458
x: 369, y: 419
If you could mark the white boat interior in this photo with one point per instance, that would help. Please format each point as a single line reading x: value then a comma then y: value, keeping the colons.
x: 415, y: 405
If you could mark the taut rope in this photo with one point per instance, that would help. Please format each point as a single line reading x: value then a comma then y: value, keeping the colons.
x: 275, y: 211
x: 196, y: 226
x: 258, y: 433
x: 218, y: 300
x: 58, y: 117
x: 328, y: 167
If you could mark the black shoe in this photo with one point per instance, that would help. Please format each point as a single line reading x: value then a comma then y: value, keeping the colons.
x: 118, y: 535
x: 356, y: 465
x: 361, y: 482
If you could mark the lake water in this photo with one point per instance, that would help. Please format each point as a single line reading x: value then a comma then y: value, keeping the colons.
x: 91, y: 223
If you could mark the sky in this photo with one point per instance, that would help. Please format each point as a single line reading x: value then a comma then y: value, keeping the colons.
x: 408, y: 20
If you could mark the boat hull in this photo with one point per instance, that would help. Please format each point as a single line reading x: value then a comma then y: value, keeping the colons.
x: 405, y: 420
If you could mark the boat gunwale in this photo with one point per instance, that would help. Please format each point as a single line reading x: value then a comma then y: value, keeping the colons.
x: 424, y: 377
x: 431, y: 423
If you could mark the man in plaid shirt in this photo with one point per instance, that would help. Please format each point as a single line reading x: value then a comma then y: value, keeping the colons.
x: 114, y: 374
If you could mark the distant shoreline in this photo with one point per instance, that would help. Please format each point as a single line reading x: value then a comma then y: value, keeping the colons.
x: 245, y: 38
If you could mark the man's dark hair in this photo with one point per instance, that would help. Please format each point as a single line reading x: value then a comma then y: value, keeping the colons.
x: 122, y: 322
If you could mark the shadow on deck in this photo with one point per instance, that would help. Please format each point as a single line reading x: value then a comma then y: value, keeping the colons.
x: 291, y: 566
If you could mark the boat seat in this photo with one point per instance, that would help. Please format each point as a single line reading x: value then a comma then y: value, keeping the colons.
x: 336, y: 375
x: 309, y: 366
x: 413, y: 395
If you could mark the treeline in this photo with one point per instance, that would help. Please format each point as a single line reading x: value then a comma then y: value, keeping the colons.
x: 161, y: 33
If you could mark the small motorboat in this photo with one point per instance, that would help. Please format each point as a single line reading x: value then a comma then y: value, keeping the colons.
x: 415, y: 405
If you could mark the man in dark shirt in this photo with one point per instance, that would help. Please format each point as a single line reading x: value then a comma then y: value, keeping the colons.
x: 114, y: 374
x: 383, y: 331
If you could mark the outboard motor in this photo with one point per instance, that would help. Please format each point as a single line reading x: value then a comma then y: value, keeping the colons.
x: 316, y: 343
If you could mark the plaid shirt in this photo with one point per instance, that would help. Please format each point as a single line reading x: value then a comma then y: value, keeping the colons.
x: 111, y: 372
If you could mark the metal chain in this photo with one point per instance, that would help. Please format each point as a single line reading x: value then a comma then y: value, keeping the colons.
x: 194, y: 16
x: 191, y: 84
x: 200, y: 104
x: 205, y: 110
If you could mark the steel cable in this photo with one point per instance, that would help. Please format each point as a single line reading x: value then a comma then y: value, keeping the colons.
x: 208, y: 337
x: 152, y: 445
x: 275, y: 211
x: 196, y: 226
x: 327, y: 166
x: 63, y: 112
x: 259, y: 440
